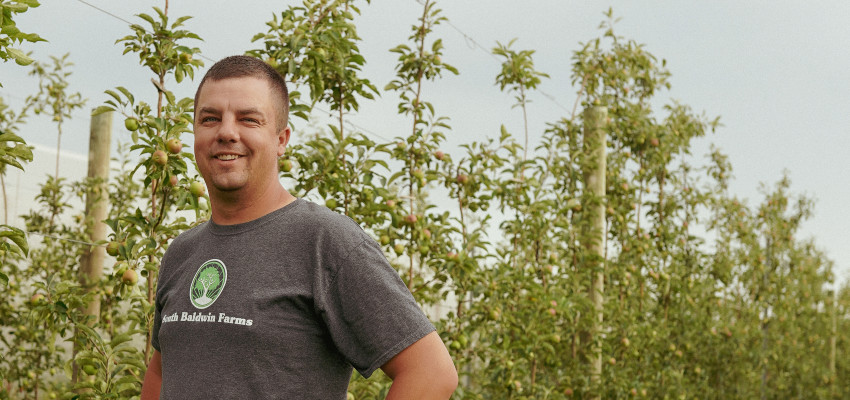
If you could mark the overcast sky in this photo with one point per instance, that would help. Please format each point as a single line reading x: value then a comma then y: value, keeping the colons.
x: 776, y: 72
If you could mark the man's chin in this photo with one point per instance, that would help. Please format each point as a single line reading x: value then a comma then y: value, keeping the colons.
x: 227, y: 187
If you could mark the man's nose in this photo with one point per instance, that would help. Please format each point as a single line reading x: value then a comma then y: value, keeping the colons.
x: 227, y: 130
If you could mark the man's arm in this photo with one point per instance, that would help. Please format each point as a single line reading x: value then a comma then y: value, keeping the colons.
x: 153, y: 378
x: 424, y: 370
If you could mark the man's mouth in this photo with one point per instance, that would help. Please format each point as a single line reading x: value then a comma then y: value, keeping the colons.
x: 227, y: 157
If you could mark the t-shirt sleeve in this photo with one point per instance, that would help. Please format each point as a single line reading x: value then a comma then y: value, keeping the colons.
x: 369, y: 312
x: 157, y: 322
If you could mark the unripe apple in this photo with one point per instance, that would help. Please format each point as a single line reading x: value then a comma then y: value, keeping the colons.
x: 427, y: 233
x: 568, y: 392
x: 285, y: 165
x: 174, y: 145
x: 399, y: 249
x: 391, y: 204
x: 439, y: 155
x: 159, y: 158
x: 131, y: 124
x: 130, y: 277
x: 462, y: 179
x: 197, y: 189
x: 451, y: 255
x: 36, y: 298
x: 410, y: 219
x: 173, y: 180
x: 654, y: 142
x: 385, y: 240
x: 89, y: 369
x: 330, y: 203
x: 112, y: 248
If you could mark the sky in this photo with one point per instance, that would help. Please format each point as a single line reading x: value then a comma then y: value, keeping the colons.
x: 777, y: 73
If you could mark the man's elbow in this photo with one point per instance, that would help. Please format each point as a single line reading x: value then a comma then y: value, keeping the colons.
x: 448, y: 382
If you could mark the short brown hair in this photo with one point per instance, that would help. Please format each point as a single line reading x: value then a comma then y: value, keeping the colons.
x: 246, y: 66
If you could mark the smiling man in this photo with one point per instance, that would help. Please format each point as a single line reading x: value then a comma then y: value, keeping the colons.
x: 277, y: 297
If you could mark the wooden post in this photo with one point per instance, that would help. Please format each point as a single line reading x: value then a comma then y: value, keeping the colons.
x: 594, y: 168
x: 97, y: 207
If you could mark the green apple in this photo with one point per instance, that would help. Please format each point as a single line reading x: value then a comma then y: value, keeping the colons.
x: 131, y: 124
x: 285, y: 165
x: 130, y: 277
x: 174, y: 145
x: 159, y: 158
x: 37, y: 298
x: 112, y: 248
x: 196, y: 188
x: 89, y: 369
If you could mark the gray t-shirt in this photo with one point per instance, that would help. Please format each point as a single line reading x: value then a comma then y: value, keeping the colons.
x: 279, y: 307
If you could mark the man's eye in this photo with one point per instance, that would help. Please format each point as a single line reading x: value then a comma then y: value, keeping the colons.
x: 251, y: 120
x: 209, y: 119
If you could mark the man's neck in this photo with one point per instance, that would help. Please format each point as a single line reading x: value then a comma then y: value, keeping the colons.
x: 233, y: 208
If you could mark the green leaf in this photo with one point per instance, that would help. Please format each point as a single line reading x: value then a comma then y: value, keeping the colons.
x: 10, y: 137
x: 101, y: 109
x: 4, y: 280
x: 17, y: 236
x: 19, y: 56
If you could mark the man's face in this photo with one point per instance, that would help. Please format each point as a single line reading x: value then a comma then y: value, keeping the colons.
x: 236, y: 140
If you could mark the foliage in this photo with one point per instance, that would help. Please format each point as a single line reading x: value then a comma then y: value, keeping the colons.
x: 704, y: 295
x: 10, y: 35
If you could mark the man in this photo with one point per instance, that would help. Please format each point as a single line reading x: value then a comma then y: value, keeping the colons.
x: 277, y: 297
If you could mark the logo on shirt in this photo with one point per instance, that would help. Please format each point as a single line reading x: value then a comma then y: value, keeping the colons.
x: 207, y: 284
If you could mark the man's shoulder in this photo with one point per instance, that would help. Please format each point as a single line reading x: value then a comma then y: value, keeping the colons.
x: 322, y: 218
x: 327, y: 228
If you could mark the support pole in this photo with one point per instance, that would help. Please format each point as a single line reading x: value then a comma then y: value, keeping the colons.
x: 593, y: 171
x: 97, y: 207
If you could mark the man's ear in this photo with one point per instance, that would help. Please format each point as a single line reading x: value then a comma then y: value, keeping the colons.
x: 283, y: 140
